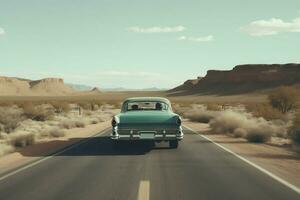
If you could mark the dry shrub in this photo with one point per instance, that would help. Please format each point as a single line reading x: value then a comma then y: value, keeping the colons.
x: 56, y: 132
x: 68, y: 124
x: 5, y: 149
x: 100, y: 119
x: 61, y: 106
x: 213, y: 107
x: 295, y: 130
x: 197, y: 113
x: 10, y: 117
x: 258, y: 136
x: 264, y: 110
x: 88, y: 113
x: 284, y: 98
x: 239, y: 132
x: 79, y: 124
x: 85, y: 105
x: 180, y: 110
x: 241, y: 124
x: 39, y: 112
x: 199, y: 116
x: 109, y: 106
x: 94, y: 121
x: 21, y: 138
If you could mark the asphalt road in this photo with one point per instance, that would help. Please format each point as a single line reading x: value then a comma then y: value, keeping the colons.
x: 198, y: 169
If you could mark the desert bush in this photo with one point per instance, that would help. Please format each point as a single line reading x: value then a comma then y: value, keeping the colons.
x: 295, y: 136
x: 38, y: 112
x: 180, y: 110
x: 198, y: 113
x: 5, y: 149
x: 88, y: 113
x: 295, y: 130
x: 242, y: 124
x: 79, y: 124
x: 258, y: 137
x: 213, y: 107
x: 239, y: 132
x: 94, y: 121
x: 264, y: 110
x: 284, y: 98
x: 85, y: 105
x: 68, y: 124
x: 61, y: 106
x: 10, y: 117
x: 199, y: 116
x: 21, y: 138
x: 56, y: 132
x: 100, y: 118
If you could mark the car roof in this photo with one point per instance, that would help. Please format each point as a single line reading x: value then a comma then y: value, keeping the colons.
x: 147, y: 99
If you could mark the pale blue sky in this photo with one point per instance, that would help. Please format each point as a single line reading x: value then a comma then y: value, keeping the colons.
x: 143, y: 43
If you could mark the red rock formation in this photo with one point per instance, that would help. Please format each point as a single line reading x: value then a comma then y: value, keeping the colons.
x: 244, y: 78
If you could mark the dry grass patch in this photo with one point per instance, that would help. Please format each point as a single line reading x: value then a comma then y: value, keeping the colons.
x: 195, y: 113
x: 213, y: 107
x: 264, y: 110
x: 38, y: 112
x: 68, y: 124
x: 10, y: 117
x: 61, y: 106
x: 56, y: 132
x: 21, y: 139
x: 295, y: 130
x: 284, y: 98
x: 242, y: 124
x: 5, y: 149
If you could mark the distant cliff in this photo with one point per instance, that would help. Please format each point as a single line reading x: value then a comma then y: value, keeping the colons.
x: 243, y: 78
x: 23, y: 87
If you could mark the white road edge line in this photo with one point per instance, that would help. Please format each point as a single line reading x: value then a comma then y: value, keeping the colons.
x: 284, y: 182
x: 51, y: 156
x: 144, y: 190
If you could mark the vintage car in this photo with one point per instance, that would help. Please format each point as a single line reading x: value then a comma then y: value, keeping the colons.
x: 147, y: 118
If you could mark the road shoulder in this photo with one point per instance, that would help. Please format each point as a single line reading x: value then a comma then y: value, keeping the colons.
x: 48, y: 146
x: 280, y: 161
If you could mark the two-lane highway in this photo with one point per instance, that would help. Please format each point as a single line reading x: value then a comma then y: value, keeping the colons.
x: 198, y: 169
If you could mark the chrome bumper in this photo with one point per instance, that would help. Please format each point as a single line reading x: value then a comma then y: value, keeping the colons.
x: 176, y: 136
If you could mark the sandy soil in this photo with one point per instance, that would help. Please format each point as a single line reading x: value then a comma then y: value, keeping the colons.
x: 47, y: 146
x: 281, y: 161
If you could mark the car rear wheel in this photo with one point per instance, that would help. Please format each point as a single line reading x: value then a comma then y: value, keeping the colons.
x: 173, y: 144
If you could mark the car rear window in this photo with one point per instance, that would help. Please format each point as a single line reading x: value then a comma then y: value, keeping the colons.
x: 146, y: 105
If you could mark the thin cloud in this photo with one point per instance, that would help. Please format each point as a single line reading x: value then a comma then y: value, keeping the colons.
x: 156, y: 29
x: 129, y: 74
x: 2, y: 31
x: 272, y: 26
x: 208, y: 38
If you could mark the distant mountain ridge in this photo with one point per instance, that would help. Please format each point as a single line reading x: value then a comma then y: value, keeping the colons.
x: 241, y: 79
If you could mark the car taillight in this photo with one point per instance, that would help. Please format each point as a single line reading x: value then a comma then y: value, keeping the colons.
x: 178, y: 121
x: 113, y: 122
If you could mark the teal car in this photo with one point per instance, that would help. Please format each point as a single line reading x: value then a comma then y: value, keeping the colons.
x: 147, y: 118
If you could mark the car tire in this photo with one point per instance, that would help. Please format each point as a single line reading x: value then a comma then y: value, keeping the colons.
x: 173, y: 144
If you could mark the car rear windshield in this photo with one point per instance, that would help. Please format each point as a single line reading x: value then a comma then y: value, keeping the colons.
x: 146, y: 105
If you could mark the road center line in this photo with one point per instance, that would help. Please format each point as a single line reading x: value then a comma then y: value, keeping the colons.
x: 51, y: 156
x: 144, y: 190
x: 284, y: 182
